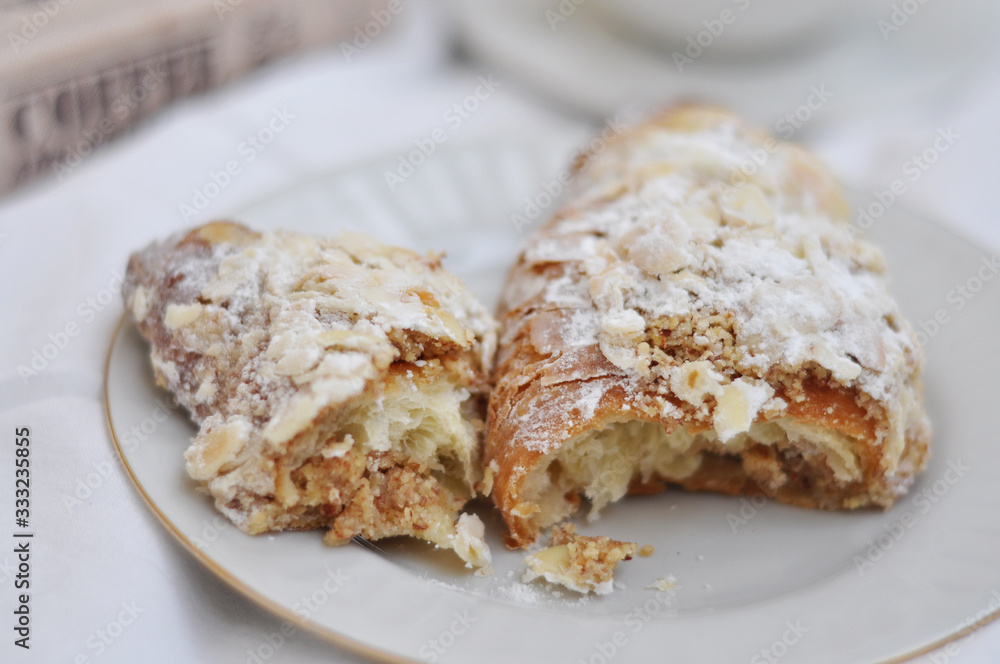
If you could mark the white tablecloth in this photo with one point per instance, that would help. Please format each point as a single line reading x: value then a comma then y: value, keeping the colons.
x: 100, y: 559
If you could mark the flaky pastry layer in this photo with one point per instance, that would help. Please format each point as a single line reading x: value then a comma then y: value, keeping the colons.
x: 337, y: 383
x: 700, y: 312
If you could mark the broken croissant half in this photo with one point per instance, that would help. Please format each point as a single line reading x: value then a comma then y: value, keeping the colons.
x: 700, y: 312
x: 337, y: 383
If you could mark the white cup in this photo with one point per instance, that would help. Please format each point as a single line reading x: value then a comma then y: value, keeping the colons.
x: 728, y: 28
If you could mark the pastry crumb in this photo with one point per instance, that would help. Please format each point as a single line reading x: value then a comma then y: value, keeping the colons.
x: 580, y: 563
x: 664, y: 583
x: 647, y: 550
x: 470, y: 544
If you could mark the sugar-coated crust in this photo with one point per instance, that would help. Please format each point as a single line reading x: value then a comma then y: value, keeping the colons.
x: 704, y: 277
x: 289, y: 350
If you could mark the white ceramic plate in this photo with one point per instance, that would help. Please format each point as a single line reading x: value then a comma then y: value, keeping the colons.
x: 592, y: 67
x: 753, y: 579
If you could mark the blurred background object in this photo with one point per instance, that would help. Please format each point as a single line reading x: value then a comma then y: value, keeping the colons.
x: 76, y: 73
x: 758, y: 57
x: 751, y: 27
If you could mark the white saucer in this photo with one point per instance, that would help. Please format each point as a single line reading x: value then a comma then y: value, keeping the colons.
x: 594, y: 69
x: 822, y: 587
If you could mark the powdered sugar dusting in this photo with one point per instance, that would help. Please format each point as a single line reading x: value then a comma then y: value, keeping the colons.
x: 580, y: 329
x: 666, y: 226
x: 589, y: 399
x: 272, y: 329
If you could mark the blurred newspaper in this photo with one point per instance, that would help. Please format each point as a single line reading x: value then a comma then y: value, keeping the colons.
x: 75, y: 73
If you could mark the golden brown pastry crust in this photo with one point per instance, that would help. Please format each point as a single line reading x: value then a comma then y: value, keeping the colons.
x: 729, y: 306
x: 337, y: 384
